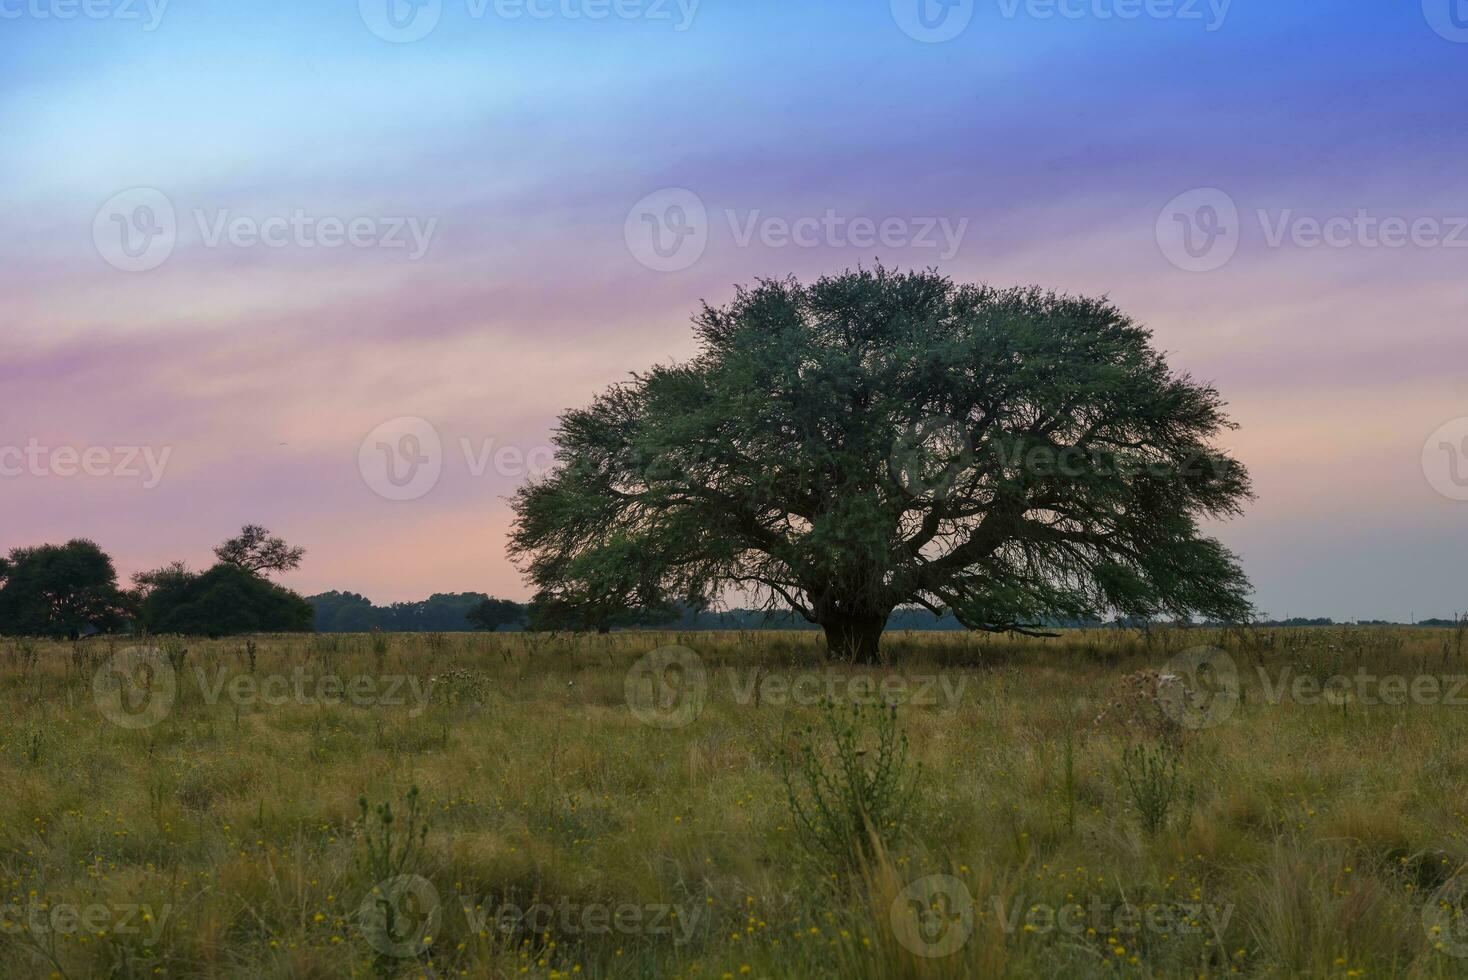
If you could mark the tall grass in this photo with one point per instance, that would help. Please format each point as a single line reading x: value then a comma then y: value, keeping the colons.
x: 227, y: 839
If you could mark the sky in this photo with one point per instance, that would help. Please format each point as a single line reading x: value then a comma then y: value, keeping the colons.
x: 336, y: 267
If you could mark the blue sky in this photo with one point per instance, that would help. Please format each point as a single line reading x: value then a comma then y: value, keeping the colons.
x: 1057, y: 143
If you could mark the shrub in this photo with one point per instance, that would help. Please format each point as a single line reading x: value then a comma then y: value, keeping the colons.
x: 856, y: 800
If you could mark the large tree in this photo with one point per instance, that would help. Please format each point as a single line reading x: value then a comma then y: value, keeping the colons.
x: 881, y: 439
x: 60, y: 591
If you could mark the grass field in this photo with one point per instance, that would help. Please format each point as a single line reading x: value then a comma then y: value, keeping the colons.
x: 584, y: 810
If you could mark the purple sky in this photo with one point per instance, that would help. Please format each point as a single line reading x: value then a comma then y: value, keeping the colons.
x: 491, y: 184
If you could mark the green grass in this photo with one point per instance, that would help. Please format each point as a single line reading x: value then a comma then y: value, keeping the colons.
x: 227, y: 839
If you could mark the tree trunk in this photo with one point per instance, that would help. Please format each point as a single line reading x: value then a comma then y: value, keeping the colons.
x: 855, y: 639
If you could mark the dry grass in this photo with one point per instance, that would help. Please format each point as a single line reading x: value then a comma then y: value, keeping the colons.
x: 226, y: 841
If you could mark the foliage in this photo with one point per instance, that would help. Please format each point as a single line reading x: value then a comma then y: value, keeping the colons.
x: 844, y: 806
x: 1154, y: 781
x: 224, y: 601
x: 349, y: 612
x: 256, y: 551
x: 386, y: 853
x: 60, y: 591
x: 878, y: 439
x: 492, y: 613
x: 559, y: 613
x: 1319, y: 844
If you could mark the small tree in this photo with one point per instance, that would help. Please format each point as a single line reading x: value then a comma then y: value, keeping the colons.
x: 880, y: 439
x: 256, y: 551
x: 61, y: 591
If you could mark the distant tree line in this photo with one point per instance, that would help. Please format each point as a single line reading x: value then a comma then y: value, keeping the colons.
x: 443, y: 612
x: 70, y: 591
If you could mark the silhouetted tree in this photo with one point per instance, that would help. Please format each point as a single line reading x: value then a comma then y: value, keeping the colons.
x: 256, y: 551
x: 60, y: 591
x: 493, y: 613
x: 879, y: 439
x: 226, y: 600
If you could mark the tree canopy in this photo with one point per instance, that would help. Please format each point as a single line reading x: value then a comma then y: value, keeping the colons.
x: 232, y: 597
x: 60, y: 591
x: 878, y: 439
x: 255, y: 550
x: 226, y: 600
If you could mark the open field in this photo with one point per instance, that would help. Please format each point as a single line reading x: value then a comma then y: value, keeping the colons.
x: 597, y: 819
